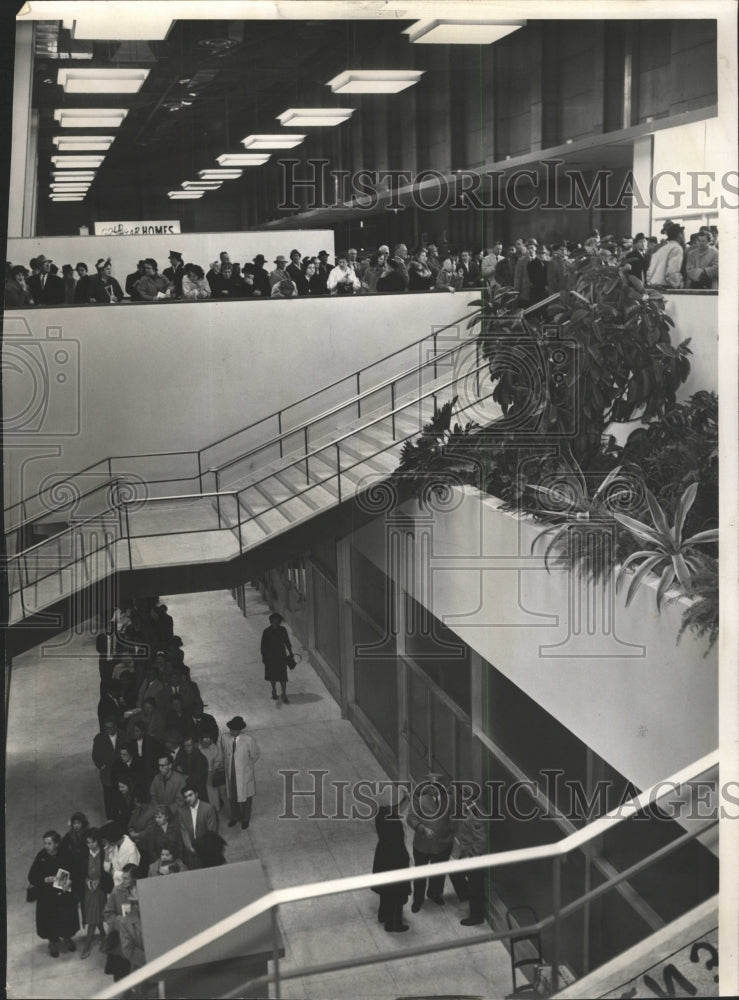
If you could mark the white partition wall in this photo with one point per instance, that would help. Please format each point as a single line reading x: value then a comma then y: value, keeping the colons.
x: 200, y: 248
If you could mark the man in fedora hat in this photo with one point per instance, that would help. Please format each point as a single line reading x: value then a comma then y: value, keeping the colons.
x: 637, y: 258
x: 240, y: 752
x: 665, y: 267
x: 175, y: 272
x: 280, y: 272
x: 276, y: 654
x: 261, y: 277
x: 131, y: 280
x: 47, y: 289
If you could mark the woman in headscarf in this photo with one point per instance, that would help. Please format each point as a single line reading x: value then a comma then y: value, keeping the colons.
x: 56, y: 903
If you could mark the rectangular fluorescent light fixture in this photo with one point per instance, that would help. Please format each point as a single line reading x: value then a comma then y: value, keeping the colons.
x: 82, y: 143
x: 101, y: 81
x: 144, y: 24
x: 201, y: 185
x: 443, y: 31
x: 180, y: 195
x: 220, y: 174
x: 283, y: 141
x: 90, y: 117
x: 314, y: 117
x: 62, y: 188
x: 67, y: 197
x: 374, y: 81
x: 73, y: 175
x: 83, y: 162
x: 242, y: 159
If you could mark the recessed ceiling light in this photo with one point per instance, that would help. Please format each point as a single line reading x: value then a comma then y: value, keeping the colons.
x: 314, y: 117
x: 72, y: 186
x: 83, y: 162
x: 201, y: 185
x: 220, y: 173
x: 90, y: 117
x: 441, y: 31
x: 374, y: 81
x: 82, y: 143
x: 180, y: 195
x: 242, y: 159
x: 284, y: 141
x: 67, y: 197
x: 101, y: 81
x: 143, y: 25
x: 72, y: 175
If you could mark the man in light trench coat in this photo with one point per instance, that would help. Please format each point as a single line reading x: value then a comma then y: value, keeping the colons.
x: 240, y: 752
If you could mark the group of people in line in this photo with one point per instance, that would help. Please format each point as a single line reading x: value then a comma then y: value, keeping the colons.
x: 166, y: 772
x: 533, y: 269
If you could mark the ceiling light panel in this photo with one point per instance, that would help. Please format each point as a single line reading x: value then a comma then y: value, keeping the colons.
x: 314, y: 117
x: 201, y: 185
x: 83, y: 162
x: 72, y: 175
x: 82, y: 143
x: 90, y: 117
x: 220, y: 173
x: 461, y: 32
x: 374, y: 81
x: 182, y: 195
x: 141, y: 25
x: 67, y: 197
x: 283, y: 141
x: 242, y: 159
x: 101, y: 81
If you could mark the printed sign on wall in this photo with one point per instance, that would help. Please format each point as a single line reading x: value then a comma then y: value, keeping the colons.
x: 137, y: 228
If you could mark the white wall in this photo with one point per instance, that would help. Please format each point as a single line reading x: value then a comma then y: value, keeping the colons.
x: 170, y: 376
x: 646, y: 714
x: 200, y: 248
x: 696, y: 316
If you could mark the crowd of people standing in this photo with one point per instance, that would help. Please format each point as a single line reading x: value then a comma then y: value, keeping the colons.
x: 533, y: 269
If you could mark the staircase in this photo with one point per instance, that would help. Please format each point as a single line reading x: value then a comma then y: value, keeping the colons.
x: 226, y: 517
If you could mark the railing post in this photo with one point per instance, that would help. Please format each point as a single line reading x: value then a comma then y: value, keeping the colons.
x: 359, y: 391
x: 556, y: 931
x: 110, y: 467
x: 20, y: 588
x: 338, y: 468
x: 117, y: 503
x: 279, y: 429
x: 218, y: 498
x: 307, y: 474
x: 276, y: 952
x: 200, y: 471
x: 238, y: 522
x: 128, y: 536
x: 392, y: 407
x: 435, y: 352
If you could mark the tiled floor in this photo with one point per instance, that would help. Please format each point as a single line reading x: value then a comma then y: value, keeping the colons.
x: 49, y: 775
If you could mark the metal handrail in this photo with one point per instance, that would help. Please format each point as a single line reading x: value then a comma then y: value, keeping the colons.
x: 66, y: 531
x: 358, y: 430
x: 353, y: 401
x: 554, y: 852
x: 276, y: 414
x: 338, y: 381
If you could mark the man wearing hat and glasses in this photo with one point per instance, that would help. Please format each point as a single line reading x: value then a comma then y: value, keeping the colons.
x: 665, y: 267
x: 240, y: 752
x: 280, y: 272
x: 47, y: 289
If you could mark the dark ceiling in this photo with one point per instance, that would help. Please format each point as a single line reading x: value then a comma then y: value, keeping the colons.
x: 210, y: 84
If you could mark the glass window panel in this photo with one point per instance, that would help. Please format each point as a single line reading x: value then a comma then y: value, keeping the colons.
x: 438, y: 652
x: 375, y: 683
x: 442, y: 738
x: 326, y: 621
x: 372, y: 590
x: 323, y: 554
x: 418, y: 694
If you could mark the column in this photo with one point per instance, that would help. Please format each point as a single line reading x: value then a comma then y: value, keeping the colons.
x: 23, y: 151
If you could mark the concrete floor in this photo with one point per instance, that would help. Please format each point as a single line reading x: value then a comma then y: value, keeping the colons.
x: 52, y: 722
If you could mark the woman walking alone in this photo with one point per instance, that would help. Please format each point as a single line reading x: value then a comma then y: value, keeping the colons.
x: 276, y: 654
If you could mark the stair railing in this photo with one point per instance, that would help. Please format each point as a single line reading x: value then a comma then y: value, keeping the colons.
x: 556, y: 853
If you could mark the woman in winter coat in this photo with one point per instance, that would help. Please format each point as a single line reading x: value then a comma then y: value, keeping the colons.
x: 56, y: 905
x: 391, y: 853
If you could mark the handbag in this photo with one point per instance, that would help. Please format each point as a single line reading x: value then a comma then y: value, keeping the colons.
x: 31, y: 894
x: 293, y: 660
x: 219, y: 777
x: 111, y: 943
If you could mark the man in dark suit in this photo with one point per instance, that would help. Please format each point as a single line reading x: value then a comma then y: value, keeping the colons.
x: 202, y: 723
x: 638, y: 258
x: 131, y: 280
x: 261, y: 278
x: 47, y: 289
x: 111, y: 704
x: 194, y: 765
x: 472, y: 277
x: 558, y: 269
x: 146, y: 750
x: 538, y: 276
x: 196, y: 818
x: 105, y: 749
x: 506, y: 268
x: 175, y: 272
